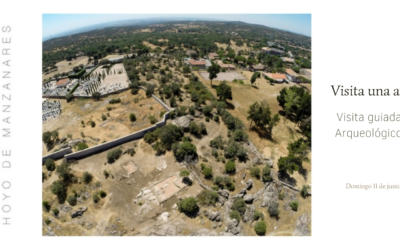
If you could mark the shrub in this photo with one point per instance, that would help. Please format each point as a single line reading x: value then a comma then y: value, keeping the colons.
x: 273, y: 209
x: 93, y: 124
x: 255, y: 172
x: 72, y: 200
x: 58, y: 188
x: 208, y: 173
x: 82, y: 146
x: 132, y: 117
x: 216, y: 118
x: 134, y: 91
x: 207, y: 119
x: 304, y: 191
x: 103, y: 117
x: 234, y: 215
x: 106, y: 174
x: 131, y: 151
x: 239, y: 135
x: 50, y: 164
x: 258, y: 215
x: 188, y: 205
x: 294, y: 205
x: 87, y: 177
x: 281, y: 195
x: 46, y: 205
x: 239, y: 205
x: 56, y: 211
x: 69, y: 97
x: 96, y: 198
x: 230, y: 186
x: 186, y: 149
x: 230, y: 167
x: 207, y: 197
x: 184, y: 173
x: 207, y: 110
x: 266, y: 174
x: 153, y: 120
x: 47, y: 221
x: 102, y: 194
x: 113, y: 155
x: 260, y: 228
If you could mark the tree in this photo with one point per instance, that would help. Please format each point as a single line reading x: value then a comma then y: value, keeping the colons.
x: 254, y: 77
x: 87, y: 177
x: 300, y: 149
x: 239, y: 205
x: 96, y: 95
x: 169, y: 134
x: 132, y: 117
x: 69, y: 97
x: 294, y: 205
x: 46, y: 205
x: 50, y: 164
x: 234, y: 215
x: 304, y: 191
x: 258, y: 215
x: 184, y: 173
x: 207, y: 110
x: 224, y: 91
x: 208, y: 197
x: 260, y: 228
x: 58, y: 188
x: 54, y: 135
x: 213, y: 71
x: 46, y: 137
x: 72, y: 200
x: 230, y: 167
x: 255, y: 172
x: 188, y: 205
x: 63, y: 171
x: 288, y: 164
x: 186, y: 69
x: 266, y: 174
x: 207, y: 172
x: 186, y: 149
x: 231, y: 54
x: 260, y: 114
x: 273, y: 209
x: 113, y: 155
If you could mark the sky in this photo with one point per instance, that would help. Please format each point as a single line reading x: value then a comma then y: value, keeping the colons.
x: 54, y: 24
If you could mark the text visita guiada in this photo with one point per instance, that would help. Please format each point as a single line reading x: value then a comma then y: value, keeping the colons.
x: 340, y: 90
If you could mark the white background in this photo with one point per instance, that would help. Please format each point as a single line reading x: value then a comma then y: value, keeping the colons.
x: 352, y: 44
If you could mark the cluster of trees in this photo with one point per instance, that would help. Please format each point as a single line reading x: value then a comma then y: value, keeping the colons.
x: 265, y: 175
x: 223, y: 182
x: 50, y: 137
x: 296, y: 103
x: 260, y: 114
x: 298, y: 152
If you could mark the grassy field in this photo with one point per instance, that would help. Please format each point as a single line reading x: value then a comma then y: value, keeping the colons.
x: 66, y: 66
x: 117, y: 123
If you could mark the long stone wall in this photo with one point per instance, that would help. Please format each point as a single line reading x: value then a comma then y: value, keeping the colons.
x: 57, y: 155
x: 114, y: 143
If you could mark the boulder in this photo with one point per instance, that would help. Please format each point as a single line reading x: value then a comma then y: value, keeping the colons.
x: 269, y: 195
x: 78, y: 212
x: 243, y: 191
x: 235, y: 230
x: 232, y: 223
x: 244, y: 175
x: 249, y: 184
x: 248, y: 198
x: 224, y: 193
x: 302, y: 226
x: 183, y: 121
x: 249, y: 214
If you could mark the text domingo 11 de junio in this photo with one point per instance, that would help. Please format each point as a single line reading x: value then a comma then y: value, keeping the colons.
x: 373, y: 186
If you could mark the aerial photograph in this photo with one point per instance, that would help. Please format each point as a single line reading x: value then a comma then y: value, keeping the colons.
x: 176, y: 125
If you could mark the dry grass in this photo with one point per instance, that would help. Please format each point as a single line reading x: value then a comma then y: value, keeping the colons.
x: 116, y: 126
x: 64, y: 66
